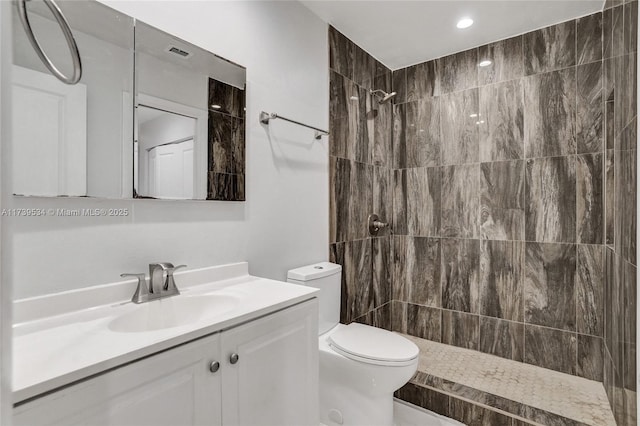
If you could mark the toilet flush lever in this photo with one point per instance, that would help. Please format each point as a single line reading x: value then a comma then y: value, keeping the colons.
x: 375, y: 224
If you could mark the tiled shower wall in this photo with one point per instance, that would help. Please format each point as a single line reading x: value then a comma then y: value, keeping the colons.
x: 513, y: 199
x: 498, y: 199
x: 620, y: 112
x: 360, y: 175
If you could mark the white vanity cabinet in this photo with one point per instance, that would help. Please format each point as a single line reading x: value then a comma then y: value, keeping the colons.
x: 267, y: 375
x: 167, y: 389
x: 275, y: 379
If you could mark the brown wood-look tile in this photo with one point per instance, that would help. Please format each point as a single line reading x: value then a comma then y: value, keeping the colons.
x: 399, y: 135
x: 355, y: 258
x: 341, y: 53
x: 417, y: 270
x: 549, y: 348
x: 501, y: 121
x: 610, y: 198
x: 549, y: 285
x: 351, y: 199
x: 226, y: 187
x: 501, y: 279
x: 460, y: 329
x: 590, y: 359
x: 349, y: 133
x: 502, y: 208
x: 221, y: 143
x: 550, y: 201
x: 424, y: 322
x: 589, y: 108
x: 461, y: 203
x: 507, y: 61
x: 590, y: 198
x: 629, y: 287
x: 475, y: 415
x: 550, y: 48
x: 381, y: 151
x: 229, y: 99
x: 417, y: 201
x: 459, y: 127
x: 383, y: 188
x: 626, y: 204
x: 423, y: 80
x: 425, y: 398
x: 550, y: 114
x: 589, y: 290
x: 422, y: 133
x: 399, y: 85
x: 460, y: 274
x: 589, y: 38
x: 399, y: 316
x: 630, y: 27
x: 459, y: 71
x: 502, y: 338
x: 607, y: 33
x: 617, y: 34
x: 381, y: 270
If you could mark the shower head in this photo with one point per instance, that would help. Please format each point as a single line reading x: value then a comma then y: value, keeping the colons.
x: 385, y: 97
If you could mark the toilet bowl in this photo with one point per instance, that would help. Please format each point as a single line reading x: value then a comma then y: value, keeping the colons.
x: 360, y: 366
x: 356, y: 380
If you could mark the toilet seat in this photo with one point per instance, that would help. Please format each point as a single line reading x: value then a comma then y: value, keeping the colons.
x: 373, y: 345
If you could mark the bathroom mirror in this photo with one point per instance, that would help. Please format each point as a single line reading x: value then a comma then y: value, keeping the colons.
x: 69, y: 140
x: 178, y: 135
x: 189, y: 137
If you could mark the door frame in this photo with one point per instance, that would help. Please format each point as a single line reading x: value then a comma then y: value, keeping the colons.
x: 200, y: 142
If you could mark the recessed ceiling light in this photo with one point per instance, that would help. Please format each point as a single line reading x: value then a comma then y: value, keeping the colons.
x: 464, y: 23
x: 215, y: 106
x: 485, y: 63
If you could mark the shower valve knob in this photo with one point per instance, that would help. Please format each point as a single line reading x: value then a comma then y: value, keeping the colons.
x: 375, y: 224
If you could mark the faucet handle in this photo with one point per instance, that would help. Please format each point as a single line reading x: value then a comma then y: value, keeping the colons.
x: 142, y: 291
x: 175, y: 268
x: 170, y: 283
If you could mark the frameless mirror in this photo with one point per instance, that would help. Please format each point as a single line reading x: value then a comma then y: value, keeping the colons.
x: 189, y: 133
x: 178, y: 135
x: 68, y: 140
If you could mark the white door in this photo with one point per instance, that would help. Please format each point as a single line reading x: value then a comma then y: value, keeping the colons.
x: 173, y: 388
x: 49, y: 136
x: 275, y: 379
x: 171, y: 170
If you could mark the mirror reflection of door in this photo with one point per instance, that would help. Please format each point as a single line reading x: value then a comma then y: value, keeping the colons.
x: 164, y: 154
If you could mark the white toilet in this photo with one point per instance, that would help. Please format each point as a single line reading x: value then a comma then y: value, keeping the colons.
x: 360, y: 366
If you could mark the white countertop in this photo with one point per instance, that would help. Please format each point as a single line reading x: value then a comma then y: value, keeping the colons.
x: 53, y: 351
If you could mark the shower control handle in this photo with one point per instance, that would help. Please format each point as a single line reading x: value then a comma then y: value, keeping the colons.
x: 375, y: 224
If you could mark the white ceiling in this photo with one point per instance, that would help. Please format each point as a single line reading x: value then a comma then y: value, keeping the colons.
x: 400, y: 33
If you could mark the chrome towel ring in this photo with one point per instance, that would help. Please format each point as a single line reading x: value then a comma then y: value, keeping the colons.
x: 68, y: 35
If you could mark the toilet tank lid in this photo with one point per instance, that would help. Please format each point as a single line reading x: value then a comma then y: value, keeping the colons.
x: 313, y: 272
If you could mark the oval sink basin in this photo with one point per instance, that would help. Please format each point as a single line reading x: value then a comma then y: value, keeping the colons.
x: 172, y: 312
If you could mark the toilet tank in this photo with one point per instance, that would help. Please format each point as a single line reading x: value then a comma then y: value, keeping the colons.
x: 327, y: 277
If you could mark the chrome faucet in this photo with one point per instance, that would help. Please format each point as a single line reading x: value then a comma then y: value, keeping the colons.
x: 161, y: 282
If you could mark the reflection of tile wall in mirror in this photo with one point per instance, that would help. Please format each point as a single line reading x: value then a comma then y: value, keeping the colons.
x: 226, y: 153
x: 197, y: 83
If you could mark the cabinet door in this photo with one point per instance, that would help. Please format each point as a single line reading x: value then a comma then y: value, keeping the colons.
x: 275, y: 378
x: 172, y: 388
